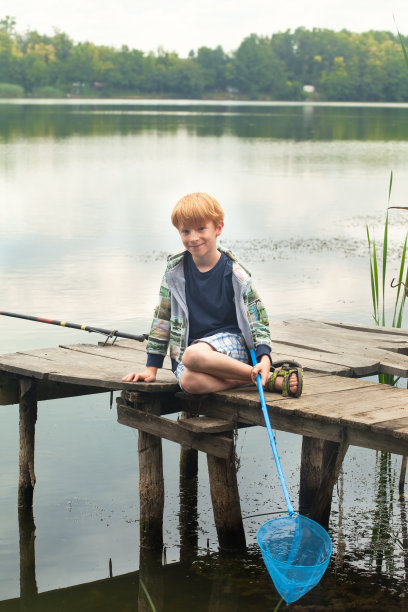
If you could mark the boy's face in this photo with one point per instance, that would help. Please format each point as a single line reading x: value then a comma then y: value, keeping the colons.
x: 200, y: 240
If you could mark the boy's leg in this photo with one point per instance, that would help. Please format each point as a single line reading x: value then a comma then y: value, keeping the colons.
x: 202, y: 357
x: 208, y: 371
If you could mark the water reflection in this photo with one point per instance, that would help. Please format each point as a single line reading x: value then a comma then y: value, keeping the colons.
x: 293, y: 122
x: 209, y: 583
x: 386, y: 542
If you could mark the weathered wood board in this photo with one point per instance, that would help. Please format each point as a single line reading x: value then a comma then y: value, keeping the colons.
x: 90, y: 367
x: 334, y: 404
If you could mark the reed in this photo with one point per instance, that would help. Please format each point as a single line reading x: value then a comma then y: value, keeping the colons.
x: 378, y: 273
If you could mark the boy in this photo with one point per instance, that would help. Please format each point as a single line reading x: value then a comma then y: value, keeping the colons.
x: 209, y: 313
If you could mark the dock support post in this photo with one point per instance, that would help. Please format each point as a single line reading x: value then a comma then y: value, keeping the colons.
x: 188, y: 518
x: 151, y: 484
x: 28, y: 418
x: 150, y: 581
x: 226, y: 503
x: 310, y: 472
x: 151, y: 491
x: 28, y: 583
x: 332, y: 460
x: 188, y: 463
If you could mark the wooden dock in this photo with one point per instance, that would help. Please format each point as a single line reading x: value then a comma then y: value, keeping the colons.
x: 337, y: 408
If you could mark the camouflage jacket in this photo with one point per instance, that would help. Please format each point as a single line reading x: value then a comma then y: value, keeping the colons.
x: 170, y: 319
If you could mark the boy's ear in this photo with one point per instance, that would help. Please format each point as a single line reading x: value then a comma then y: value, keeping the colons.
x: 219, y: 229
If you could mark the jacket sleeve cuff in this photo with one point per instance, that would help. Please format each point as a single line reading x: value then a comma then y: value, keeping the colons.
x: 155, y: 360
x: 263, y: 349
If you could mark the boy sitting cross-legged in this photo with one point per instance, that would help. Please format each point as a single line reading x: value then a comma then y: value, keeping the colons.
x: 210, y: 314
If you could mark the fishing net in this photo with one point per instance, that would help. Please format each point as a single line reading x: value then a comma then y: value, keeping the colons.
x: 295, y: 549
x: 296, y: 552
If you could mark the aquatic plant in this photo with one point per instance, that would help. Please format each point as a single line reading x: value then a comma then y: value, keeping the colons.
x: 378, y: 282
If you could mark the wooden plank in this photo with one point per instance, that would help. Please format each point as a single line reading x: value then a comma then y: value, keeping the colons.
x: 22, y: 365
x: 305, y: 333
x: 132, y: 345
x: 47, y: 390
x: 352, y: 365
x: 58, y: 364
x: 302, y: 424
x: 392, y: 331
x: 362, y: 357
x: 204, y: 424
x: 369, y: 438
x: 216, y: 445
x: 314, y: 365
x: 397, y: 427
x: 381, y: 415
x: 85, y: 358
x: 117, y: 353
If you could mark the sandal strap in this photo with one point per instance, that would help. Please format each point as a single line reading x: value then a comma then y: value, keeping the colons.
x: 286, y: 369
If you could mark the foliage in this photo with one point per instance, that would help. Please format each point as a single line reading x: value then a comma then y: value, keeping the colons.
x: 9, y: 90
x: 339, y: 65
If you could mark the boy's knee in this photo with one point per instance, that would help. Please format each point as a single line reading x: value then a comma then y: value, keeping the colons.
x: 190, y: 383
x: 193, y: 357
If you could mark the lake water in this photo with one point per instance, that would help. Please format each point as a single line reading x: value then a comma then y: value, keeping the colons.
x: 86, y: 190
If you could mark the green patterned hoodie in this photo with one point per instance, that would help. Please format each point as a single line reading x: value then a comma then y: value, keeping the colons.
x: 170, y: 319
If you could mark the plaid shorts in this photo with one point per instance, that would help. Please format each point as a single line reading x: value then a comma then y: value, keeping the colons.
x: 229, y: 344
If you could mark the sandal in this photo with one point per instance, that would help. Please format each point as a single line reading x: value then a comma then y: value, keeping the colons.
x: 286, y: 369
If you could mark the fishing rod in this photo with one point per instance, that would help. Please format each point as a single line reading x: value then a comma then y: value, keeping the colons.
x: 98, y: 330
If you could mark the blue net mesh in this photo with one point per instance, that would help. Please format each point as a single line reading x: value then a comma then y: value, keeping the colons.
x: 296, y: 552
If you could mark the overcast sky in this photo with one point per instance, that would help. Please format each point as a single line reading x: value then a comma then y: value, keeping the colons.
x: 181, y: 25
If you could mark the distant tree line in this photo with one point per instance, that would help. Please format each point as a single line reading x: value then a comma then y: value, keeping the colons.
x: 327, y: 65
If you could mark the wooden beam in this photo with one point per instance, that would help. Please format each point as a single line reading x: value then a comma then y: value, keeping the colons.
x: 188, y: 459
x: 216, y: 445
x: 151, y: 489
x: 204, y: 424
x: 226, y: 503
x: 295, y: 421
x: 332, y: 460
x: 310, y: 472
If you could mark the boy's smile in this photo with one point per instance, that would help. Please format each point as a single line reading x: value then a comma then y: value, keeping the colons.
x: 201, y: 242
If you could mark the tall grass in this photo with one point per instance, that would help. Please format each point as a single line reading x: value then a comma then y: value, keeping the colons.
x: 378, y: 274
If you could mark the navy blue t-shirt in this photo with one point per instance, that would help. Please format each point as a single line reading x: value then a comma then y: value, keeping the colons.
x: 210, y: 298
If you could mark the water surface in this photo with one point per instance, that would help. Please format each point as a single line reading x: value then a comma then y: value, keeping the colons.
x: 86, y: 191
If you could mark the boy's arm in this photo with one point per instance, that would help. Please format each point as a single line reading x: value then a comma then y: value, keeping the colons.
x: 159, y: 337
x: 258, y: 322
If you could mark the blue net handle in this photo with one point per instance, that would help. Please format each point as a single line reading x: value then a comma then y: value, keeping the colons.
x: 271, y: 436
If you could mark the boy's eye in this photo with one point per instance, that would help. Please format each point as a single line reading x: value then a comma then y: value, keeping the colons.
x: 201, y: 229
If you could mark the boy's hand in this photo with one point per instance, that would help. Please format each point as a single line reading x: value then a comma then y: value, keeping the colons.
x: 263, y: 367
x: 149, y: 375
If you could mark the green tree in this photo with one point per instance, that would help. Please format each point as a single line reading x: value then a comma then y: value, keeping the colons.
x: 213, y: 64
x: 257, y: 70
